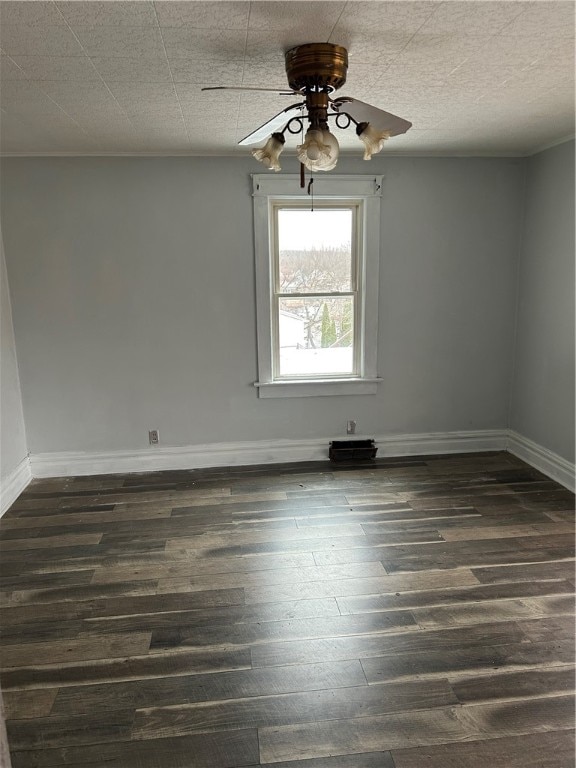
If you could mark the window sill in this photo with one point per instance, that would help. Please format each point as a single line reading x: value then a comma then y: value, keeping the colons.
x: 317, y: 387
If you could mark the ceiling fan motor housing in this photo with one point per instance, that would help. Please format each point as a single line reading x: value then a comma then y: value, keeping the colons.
x: 317, y: 67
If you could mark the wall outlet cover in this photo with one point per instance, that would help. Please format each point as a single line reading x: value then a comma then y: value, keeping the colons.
x: 153, y: 437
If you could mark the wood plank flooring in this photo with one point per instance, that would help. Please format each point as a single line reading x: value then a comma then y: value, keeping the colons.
x: 410, y: 613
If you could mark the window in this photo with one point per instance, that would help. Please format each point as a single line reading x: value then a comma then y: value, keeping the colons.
x: 315, y: 291
x: 317, y: 285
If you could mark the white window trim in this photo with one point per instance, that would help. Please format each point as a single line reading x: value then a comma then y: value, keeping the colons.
x: 268, y: 190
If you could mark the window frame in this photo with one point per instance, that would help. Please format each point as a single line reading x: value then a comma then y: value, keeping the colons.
x: 271, y: 193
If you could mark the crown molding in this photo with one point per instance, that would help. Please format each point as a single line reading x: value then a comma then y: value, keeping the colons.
x: 552, y: 144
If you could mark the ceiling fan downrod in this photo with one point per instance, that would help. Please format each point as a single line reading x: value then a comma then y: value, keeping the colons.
x: 317, y: 103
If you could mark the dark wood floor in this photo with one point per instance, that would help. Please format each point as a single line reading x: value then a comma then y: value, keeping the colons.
x: 416, y: 613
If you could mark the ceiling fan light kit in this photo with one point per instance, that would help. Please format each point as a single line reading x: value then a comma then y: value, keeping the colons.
x: 268, y: 154
x: 373, y: 139
x: 320, y: 150
x: 315, y: 71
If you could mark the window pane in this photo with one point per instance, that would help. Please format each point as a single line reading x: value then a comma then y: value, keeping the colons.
x: 316, y: 336
x: 315, y: 250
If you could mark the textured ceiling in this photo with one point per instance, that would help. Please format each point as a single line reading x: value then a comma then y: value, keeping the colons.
x: 97, y: 77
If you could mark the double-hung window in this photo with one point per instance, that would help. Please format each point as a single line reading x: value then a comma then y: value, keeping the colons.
x: 317, y: 285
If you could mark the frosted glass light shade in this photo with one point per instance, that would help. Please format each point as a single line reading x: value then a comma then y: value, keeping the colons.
x: 313, y: 148
x: 269, y: 154
x: 319, y: 151
x: 373, y: 139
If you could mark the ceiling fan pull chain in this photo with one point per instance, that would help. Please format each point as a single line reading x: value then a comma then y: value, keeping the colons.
x: 311, y: 190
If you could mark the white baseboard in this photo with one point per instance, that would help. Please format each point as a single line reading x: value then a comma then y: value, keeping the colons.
x: 442, y: 442
x: 254, y: 452
x: 185, y: 457
x: 13, y: 484
x: 548, y: 462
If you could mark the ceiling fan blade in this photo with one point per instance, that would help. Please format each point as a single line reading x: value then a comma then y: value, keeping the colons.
x: 366, y: 113
x: 278, y: 121
x: 279, y: 91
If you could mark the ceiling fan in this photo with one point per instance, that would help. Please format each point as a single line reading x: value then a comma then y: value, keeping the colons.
x: 315, y: 71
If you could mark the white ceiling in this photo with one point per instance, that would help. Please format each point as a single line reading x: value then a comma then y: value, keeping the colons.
x: 112, y: 77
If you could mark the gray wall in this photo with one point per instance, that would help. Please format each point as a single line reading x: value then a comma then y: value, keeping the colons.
x: 542, y: 405
x: 133, y: 295
x: 12, y: 433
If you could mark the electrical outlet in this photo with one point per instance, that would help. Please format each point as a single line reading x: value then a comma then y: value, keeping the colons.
x: 351, y: 427
x: 153, y: 437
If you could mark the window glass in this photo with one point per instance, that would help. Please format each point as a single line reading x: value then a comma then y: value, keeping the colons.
x: 316, y: 336
x: 314, y: 250
x: 315, y: 292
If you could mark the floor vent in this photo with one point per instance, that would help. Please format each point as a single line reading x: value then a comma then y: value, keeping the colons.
x: 352, y: 450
